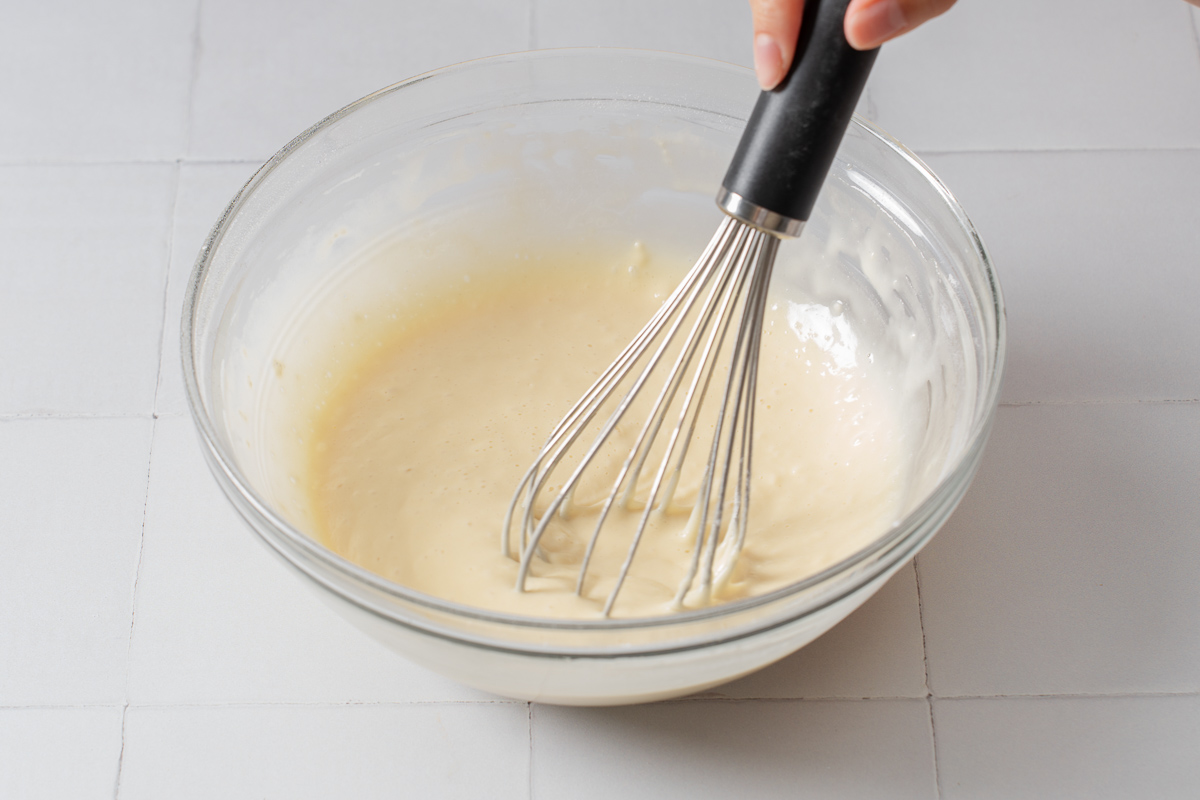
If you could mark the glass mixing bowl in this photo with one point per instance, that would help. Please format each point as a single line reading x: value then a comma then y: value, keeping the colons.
x: 579, y: 144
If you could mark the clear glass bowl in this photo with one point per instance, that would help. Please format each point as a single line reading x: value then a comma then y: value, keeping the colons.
x: 576, y: 142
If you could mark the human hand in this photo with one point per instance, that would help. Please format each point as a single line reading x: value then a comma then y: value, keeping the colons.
x: 869, y: 23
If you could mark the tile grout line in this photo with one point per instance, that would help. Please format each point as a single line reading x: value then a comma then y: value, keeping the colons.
x: 529, y: 760
x: 60, y: 707
x: 135, y: 162
x: 162, y: 331
x: 1070, y: 696
x: 193, y: 79
x: 704, y: 698
x: 120, y: 756
x: 937, y: 772
x: 937, y: 775
x: 321, y: 704
x: 137, y: 573
x: 256, y: 704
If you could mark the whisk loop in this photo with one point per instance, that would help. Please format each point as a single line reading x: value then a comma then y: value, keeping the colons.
x: 727, y: 284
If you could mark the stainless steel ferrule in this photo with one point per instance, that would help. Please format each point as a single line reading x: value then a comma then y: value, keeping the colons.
x: 756, y: 216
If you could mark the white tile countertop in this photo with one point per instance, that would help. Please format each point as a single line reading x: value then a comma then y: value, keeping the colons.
x: 1045, y: 644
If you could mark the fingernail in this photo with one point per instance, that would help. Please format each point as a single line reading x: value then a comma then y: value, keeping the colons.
x: 875, y: 24
x: 768, y: 61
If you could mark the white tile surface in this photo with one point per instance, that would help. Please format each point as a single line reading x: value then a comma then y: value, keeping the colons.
x: 1071, y: 567
x: 220, y: 619
x: 1084, y: 747
x: 875, y: 652
x: 268, y: 69
x: 443, y: 751
x: 204, y: 191
x: 94, y: 81
x: 72, y: 493
x: 1032, y: 75
x: 802, y: 749
x: 59, y: 752
x: 83, y: 264
x: 711, y: 28
x: 1073, y: 564
x: 1096, y: 254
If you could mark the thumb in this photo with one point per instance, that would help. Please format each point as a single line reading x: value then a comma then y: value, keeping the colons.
x: 870, y: 23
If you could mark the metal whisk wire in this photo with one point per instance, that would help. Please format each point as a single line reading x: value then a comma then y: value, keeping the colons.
x: 735, y: 269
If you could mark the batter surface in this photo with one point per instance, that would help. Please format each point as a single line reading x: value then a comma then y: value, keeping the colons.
x: 413, y: 461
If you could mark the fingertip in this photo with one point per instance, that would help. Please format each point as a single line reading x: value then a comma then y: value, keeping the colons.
x: 768, y: 61
x: 870, y: 24
x: 854, y: 36
x: 776, y: 24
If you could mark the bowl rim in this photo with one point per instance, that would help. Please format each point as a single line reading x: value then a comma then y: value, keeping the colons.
x: 906, y: 527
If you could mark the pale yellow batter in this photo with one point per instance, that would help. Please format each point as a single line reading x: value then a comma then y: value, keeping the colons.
x: 413, y: 460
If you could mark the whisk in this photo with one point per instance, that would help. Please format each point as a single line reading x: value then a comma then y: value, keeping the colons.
x: 717, y: 310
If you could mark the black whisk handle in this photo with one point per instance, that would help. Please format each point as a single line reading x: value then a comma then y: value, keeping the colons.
x: 795, y: 129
